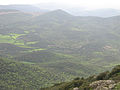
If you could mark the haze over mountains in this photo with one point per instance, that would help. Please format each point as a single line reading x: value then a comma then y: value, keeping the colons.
x: 77, y: 11
x: 54, y: 46
x: 80, y: 11
x: 24, y: 8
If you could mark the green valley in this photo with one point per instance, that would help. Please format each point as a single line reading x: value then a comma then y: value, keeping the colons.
x: 53, y: 47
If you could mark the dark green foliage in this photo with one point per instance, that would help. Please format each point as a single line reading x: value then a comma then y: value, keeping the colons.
x: 102, y: 76
x: 83, y: 84
x: 115, y: 73
x: 115, y: 70
x: 39, y: 57
x: 74, y: 46
x: 16, y: 75
x: 77, y: 78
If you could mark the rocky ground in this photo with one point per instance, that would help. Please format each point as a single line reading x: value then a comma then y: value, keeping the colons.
x: 103, y: 85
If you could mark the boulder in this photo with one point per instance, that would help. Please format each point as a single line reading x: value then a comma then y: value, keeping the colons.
x: 76, y: 88
x: 103, y: 85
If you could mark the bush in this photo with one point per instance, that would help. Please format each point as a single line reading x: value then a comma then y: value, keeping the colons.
x: 102, y: 76
x: 115, y: 70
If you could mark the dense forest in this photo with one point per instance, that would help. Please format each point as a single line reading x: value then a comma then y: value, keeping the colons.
x: 18, y: 75
x: 28, y: 76
x: 85, y: 83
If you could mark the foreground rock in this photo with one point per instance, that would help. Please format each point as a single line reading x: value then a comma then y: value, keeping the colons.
x: 76, y: 88
x: 103, y: 85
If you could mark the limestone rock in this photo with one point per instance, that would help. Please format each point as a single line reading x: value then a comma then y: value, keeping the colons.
x: 111, y: 86
x: 103, y: 85
x: 101, y: 88
x: 76, y: 88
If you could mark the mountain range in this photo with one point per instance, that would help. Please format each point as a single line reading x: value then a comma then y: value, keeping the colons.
x: 55, y: 45
x: 76, y: 11
x: 80, y: 11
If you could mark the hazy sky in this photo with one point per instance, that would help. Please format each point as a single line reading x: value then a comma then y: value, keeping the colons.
x: 89, y: 4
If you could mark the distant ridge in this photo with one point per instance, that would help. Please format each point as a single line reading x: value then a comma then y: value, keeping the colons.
x: 24, y: 8
x: 107, y: 12
x: 59, y: 13
x: 53, y: 16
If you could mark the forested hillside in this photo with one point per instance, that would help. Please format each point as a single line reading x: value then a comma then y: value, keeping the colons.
x: 59, y: 43
x: 104, y: 81
x: 29, y: 76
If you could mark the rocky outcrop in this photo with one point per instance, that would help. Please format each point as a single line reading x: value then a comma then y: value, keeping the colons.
x: 76, y: 88
x: 103, y: 85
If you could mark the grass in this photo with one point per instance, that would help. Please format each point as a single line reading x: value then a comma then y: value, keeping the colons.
x: 27, y: 62
x: 64, y: 55
x: 6, y: 39
x: 34, y: 50
x: 15, y: 36
x: 31, y: 43
x: 98, y: 53
x: 117, y: 87
x: 26, y: 32
x: 25, y: 46
x: 11, y: 38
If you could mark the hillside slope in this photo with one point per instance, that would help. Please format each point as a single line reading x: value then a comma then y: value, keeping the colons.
x: 23, y: 75
x: 94, y: 82
x: 61, y: 43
